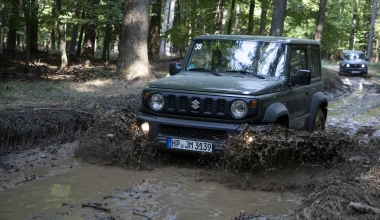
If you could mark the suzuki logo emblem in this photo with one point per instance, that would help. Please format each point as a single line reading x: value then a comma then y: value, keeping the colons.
x: 195, y: 104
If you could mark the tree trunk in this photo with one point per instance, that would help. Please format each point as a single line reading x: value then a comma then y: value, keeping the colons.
x: 263, y: 17
x: 34, y: 26
x: 353, y: 26
x: 371, y: 30
x: 321, y: 20
x: 12, y: 25
x: 171, y: 21
x: 53, y: 43
x: 155, y: 28
x: 164, y: 28
x: 2, y: 26
x: 278, y: 18
x: 377, y: 47
x: 236, y: 27
x: 74, y: 35
x: 250, y: 18
x: 218, y: 16
x: 27, y: 9
x: 231, y: 18
x: 132, y: 62
x: 106, y: 43
x: 61, y: 37
x: 80, y: 40
x: 89, y: 38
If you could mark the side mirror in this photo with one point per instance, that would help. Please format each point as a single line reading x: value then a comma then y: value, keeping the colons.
x: 301, y: 77
x: 174, y: 68
x: 366, y: 59
x: 340, y: 58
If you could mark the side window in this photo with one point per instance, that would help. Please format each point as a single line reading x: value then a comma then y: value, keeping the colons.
x: 297, y: 59
x: 314, y: 62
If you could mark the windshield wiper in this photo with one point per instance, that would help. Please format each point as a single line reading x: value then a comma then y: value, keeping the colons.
x: 205, y: 70
x: 245, y: 72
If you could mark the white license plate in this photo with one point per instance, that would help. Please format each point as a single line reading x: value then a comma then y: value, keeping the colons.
x: 189, y: 145
x: 355, y: 71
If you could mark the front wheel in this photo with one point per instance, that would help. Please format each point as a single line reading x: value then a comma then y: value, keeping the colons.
x: 320, y: 121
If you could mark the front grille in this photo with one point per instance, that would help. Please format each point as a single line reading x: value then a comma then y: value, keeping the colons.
x: 195, y: 105
x: 186, y: 132
x: 171, y: 102
x: 221, y: 106
x: 183, y: 103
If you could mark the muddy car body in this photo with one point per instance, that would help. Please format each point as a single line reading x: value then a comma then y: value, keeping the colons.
x: 230, y: 80
x: 353, y: 62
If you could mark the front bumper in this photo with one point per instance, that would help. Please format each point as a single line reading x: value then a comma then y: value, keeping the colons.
x: 158, y: 134
x: 355, y: 70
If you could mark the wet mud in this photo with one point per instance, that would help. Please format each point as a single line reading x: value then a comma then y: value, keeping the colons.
x: 113, y: 173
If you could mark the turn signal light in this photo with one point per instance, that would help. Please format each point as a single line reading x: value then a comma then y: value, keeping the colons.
x: 253, y: 104
x: 146, y: 95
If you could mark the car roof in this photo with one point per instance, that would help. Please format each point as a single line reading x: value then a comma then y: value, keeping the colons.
x: 353, y: 51
x: 286, y: 40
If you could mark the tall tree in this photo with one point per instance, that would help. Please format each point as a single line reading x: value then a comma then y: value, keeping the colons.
x: 164, y: 28
x: 263, y: 16
x: 74, y: 34
x: 12, y: 27
x: 251, y: 14
x: 27, y: 8
x: 171, y: 22
x: 371, y: 29
x: 278, y: 18
x: 132, y: 62
x: 218, y: 16
x: 90, y: 36
x: 2, y: 26
x: 81, y: 33
x: 34, y: 26
x: 106, y: 43
x: 353, y: 25
x: 231, y: 18
x: 155, y: 28
x: 321, y: 20
x: 61, y: 36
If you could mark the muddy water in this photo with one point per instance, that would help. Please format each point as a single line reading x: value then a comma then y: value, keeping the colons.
x: 360, y: 110
x: 164, y: 193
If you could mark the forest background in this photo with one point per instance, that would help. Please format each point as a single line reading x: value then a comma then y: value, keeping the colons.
x: 80, y: 29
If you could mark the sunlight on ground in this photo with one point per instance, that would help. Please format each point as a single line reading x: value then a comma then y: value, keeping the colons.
x: 91, y: 86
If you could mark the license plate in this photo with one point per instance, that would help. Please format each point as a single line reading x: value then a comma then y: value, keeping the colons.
x: 355, y: 71
x: 189, y: 145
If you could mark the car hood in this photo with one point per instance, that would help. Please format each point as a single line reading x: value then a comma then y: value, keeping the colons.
x: 244, y: 85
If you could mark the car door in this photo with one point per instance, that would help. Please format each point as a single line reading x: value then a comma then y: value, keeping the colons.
x: 298, y: 95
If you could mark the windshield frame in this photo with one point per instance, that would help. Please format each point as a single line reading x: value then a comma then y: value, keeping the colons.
x: 281, y: 55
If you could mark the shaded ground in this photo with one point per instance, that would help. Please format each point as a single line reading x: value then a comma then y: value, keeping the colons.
x: 338, y: 167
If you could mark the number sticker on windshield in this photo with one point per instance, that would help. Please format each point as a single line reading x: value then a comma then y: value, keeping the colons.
x: 198, y: 46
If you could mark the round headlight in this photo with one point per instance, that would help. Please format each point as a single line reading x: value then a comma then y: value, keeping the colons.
x: 348, y: 65
x: 156, y: 102
x: 239, y: 109
x: 363, y: 65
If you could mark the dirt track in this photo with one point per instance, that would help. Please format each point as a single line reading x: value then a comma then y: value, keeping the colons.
x: 49, y: 182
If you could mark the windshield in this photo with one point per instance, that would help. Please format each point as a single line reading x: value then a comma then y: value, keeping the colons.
x: 354, y: 56
x: 262, y: 58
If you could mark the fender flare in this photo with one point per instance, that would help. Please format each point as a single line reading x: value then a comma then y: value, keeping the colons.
x: 275, y: 111
x: 318, y: 99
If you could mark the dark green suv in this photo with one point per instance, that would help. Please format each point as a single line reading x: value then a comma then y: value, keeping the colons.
x: 230, y: 80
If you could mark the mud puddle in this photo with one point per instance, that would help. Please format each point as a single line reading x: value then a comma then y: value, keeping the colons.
x: 59, y: 192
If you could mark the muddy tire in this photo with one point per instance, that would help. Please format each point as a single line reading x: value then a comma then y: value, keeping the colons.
x: 320, y: 121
